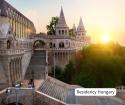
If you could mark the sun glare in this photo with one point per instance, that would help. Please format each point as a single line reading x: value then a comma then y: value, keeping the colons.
x: 105, y: 38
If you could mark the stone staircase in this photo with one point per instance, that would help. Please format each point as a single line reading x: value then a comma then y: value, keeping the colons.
x: 54, y: 88
x: 66, y: 93
x: 37, y: 66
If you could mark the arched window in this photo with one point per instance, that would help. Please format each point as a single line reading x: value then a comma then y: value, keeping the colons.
x: 50, y: 44
x: 61, y: 45
x: 39, y: 44
x: 8, y: 44
x: 62, y: 32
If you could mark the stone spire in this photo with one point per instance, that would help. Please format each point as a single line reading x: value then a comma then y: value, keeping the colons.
x: 74, y: 27
x: 61, y: 27
x: 81, y: 29
x: 61, y: 21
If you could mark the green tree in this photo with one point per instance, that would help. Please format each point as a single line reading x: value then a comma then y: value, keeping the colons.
x: 69, y: 72
x: 52, y: 25
x: 98, y: 65
x: 58, y: 72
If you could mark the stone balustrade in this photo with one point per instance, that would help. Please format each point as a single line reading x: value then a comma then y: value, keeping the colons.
x: 11, y: 52
x: 50, y: 36
x: 56, y: 49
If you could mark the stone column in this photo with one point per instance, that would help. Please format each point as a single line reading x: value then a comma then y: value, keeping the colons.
x: 68, y: 55
x: 14, y: 73
x: 11, y: 76
x: 19, y: 75
x: 8, y: 74
x: 16, y: 69
x: 12, y: 70
x: 20, y: 63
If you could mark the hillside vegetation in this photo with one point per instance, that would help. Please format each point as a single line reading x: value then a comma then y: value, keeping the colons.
x: 97, y: 65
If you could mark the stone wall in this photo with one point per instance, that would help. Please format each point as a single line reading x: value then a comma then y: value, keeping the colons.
x: 3, y: 79
x: 28, y: 97
x: 43, y: 99
x: 25, y: 61
x: 25, y: 96
x: 121, y: 95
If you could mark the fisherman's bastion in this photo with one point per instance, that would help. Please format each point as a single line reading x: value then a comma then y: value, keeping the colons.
x: 27, y: 57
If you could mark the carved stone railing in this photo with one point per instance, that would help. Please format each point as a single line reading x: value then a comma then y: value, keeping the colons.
x: 50, y: 36
x: 56, y: 49
x: 11, y: 52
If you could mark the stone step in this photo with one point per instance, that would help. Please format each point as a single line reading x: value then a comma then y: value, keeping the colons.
x: 37, y: 66
x: 34, y: 62
x: 52, y: 88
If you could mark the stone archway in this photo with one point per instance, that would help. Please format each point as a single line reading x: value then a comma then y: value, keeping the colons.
x: 39, y: 44
x: 9, y: 42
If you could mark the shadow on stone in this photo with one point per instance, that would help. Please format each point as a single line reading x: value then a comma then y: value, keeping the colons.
x: 14, y: 104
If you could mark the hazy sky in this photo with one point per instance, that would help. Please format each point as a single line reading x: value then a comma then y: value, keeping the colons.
x: 99, y: 16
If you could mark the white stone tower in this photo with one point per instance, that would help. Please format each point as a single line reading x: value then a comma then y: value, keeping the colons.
x: 81, y: 29
x: 61, y: 27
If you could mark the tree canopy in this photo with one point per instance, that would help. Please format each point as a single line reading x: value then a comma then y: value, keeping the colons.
x: 52, y: 25
x: 97, y: 65
x: 58, y: 72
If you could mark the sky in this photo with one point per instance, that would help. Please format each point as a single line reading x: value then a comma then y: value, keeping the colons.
x: 99, y: 16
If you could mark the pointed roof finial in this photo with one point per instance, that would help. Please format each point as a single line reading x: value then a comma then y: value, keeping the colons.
x: 61, y: 8
x: 61, y: 21
x: 81, y: 26
x: 81, y: 22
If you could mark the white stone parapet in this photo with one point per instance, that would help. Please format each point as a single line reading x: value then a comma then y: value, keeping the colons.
x: 11, y: 52
x: 55, y: 49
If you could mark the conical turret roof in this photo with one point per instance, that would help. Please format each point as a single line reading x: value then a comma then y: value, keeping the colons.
x: 81, y: 26
x: 61, y: 21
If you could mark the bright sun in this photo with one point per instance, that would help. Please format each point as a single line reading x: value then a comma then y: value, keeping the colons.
x: 105, y: 38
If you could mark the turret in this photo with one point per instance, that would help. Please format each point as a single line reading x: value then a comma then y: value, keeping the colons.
x: 81, y: 30
x: 61, y: 27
